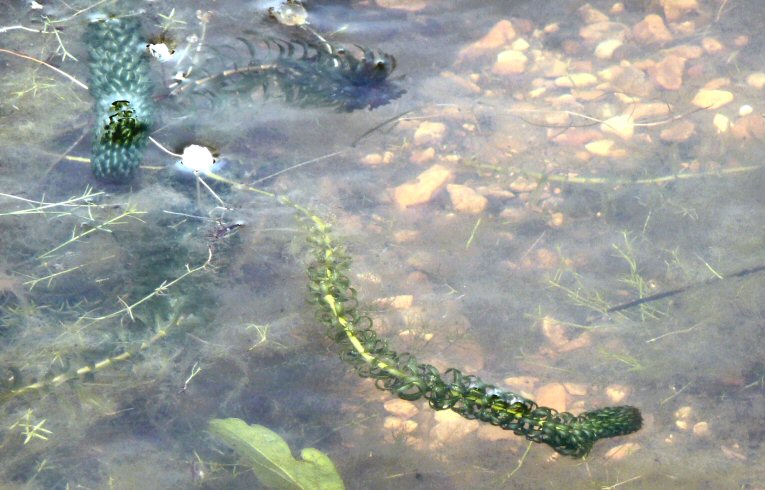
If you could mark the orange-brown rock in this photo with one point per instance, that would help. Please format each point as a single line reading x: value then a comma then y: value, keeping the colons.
x: 741, y: 41
x: 718, y: 83
x: 678, y: 132
x: 551, y: 67
x: 633, y: 81
x: 617, y: 393
x: 701, y: 429
x: 422, y: 156
x: 600, y: 31
x: 587, y: 95
x: 711, y: 98
x: 576, y: 389
x: 521, y: 383
x: 585, y: 339
x: 553, y: 395
x: 621, y: 451
x: 674, y: 9
x: 487, y: 432
x: 751, y: 126
x: 450, y: 428
x: 668, y: 73
x: 591, y: 15
x: 650, y: 109
x: 712, y: 45
x: 401, y: 408
x: 466, y: 200
x: 555, y: 332
x: 400, y: 302
x: 423, y: 188
x: 651, y: 30
x: 687, y: 51
x: 574, y: 136
x: 500, y: 35
x: 429, y: 132
x: 576, y: 80
x: 510, y: 62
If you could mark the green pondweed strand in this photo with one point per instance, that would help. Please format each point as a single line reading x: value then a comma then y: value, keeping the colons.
x: 337, y: 309
x: 336, y: 305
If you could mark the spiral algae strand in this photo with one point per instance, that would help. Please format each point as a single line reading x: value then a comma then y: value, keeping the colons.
x: 121, y: 86
x: 337, y: 309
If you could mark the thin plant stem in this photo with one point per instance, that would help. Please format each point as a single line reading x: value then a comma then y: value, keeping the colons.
x: 41, y: 207
x: 216, y: 196
x: 57, y: 70
x: 164, y: 149
x: 50, y: 277
x: 102, y: 227
x: 575, y: 179
x: 158, y: 291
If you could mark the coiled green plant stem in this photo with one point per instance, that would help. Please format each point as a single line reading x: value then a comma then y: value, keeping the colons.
x: 337, y: 309
x: 121, y: 86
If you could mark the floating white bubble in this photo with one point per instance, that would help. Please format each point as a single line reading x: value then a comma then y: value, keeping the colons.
x: 197, y: 158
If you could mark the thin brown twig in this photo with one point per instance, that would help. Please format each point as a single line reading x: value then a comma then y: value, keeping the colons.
x: 595, y: 121
x: 571, y: 178
x: 57, y: 70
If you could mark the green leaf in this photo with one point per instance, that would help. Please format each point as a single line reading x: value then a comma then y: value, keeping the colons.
x: 272, y: 460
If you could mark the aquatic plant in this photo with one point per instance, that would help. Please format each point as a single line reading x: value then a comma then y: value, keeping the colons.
x: 121, y: 86
x: 337, y: 309
x: 309, y: 74
x: 272, y: 460
x: 12, y: 383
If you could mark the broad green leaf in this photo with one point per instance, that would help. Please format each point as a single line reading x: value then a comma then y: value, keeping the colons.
x: 272, y: 460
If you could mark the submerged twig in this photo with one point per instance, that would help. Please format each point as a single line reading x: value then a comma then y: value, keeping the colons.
x: 57, y: 70
x: 575, y: 179
x: 673, y: 292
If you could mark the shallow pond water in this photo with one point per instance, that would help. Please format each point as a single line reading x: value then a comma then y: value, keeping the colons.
x: 524, y: 171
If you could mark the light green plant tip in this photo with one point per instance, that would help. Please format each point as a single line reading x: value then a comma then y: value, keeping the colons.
x: 30, y: 428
